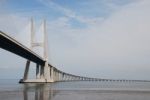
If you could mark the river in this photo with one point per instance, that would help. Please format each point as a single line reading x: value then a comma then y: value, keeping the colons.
x: 86, y: 90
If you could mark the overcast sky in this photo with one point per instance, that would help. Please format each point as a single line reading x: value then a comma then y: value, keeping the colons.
x: 94, y: 38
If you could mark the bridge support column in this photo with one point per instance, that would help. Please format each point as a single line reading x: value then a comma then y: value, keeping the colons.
x: 26, y: 71
x: 37, y: 71
x: 52, y: 74
x: 47, y: 72
x: 56, y: 75
x: 60, y: 76
x: 42, y: 72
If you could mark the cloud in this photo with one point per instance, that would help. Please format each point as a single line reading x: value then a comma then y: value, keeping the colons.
x: 51, y: 4
x: 117, y: 46
x: 11, y: 23
x: 70, y: 14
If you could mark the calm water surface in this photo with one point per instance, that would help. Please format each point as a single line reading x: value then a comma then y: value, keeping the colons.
x: 12, y: 90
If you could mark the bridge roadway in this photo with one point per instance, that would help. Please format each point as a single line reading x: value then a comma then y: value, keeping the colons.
x: 10, y: 44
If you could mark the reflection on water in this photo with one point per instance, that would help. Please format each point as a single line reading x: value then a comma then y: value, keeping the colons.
x: 87, y: 91
x: 75, y: 91
x: 38, y: 92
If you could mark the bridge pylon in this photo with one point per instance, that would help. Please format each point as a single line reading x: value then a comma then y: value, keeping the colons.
x: 44, y: 73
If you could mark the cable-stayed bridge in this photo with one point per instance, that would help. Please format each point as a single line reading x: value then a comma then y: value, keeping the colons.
x: 45, y: 72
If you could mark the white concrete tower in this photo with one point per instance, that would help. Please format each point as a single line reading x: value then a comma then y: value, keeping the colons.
x: 42, y: 72
x: 46, y: 67
x: 26, y: 72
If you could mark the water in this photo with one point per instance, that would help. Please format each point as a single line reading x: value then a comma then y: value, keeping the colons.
x: 12, y: 90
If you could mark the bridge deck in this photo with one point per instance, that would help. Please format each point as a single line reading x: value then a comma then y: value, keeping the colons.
x: 10, y: 44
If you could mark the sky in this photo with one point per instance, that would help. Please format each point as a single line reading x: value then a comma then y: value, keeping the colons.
x: 93, y: 38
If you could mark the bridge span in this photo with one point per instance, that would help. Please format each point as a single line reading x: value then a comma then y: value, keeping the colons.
x: 10, y: 44
x: 45, y: 72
